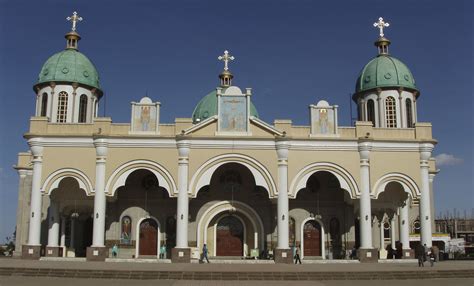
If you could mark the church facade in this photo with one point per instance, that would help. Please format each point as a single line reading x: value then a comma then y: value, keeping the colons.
x: 225, y: 178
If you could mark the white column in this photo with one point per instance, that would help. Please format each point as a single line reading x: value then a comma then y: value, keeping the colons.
x: 63, y: 232
x: 282, y: 211
x: 53, y: 233
x: 403, y: 117
x: 425, y: 208
x: 404, y: 229
x: 34, y: 232
x: 98, y: 237
x: 382, y: 235
x: 365, y: 211
x: 73, y: 233
x: 393, y: 232
x: 381, y: 111
x: 183, y: 198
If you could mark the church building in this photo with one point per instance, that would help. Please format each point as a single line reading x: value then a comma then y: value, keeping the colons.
x: 223, y: 177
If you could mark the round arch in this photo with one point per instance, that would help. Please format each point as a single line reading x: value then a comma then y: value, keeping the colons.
x: 137, y: 237
x: 345, y: 179
x: 262, y: 176
x: 320, y: 222
x: 53, y: 180
x: 408, y: 184
x: 120, y: 175
x: 244, y: 241
x: 224, y: 206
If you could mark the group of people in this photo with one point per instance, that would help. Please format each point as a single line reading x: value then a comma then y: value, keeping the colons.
x: 162, y: 251
x: 423, y: 253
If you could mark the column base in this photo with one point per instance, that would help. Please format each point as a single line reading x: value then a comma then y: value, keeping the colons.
x: 283, y: 256
x: 54, y: 251
x: 32, y: 252
x: 181, y: 255
x: 408, y: 254
x: 368, y: 255
x: 94, y: 253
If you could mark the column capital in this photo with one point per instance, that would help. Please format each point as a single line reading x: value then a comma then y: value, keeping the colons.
x: 364, y: 148
x: 282, y: 150
x: 36, y: 147
x: 101, y: 148
x: 22, y: 172
x: 183, y: 148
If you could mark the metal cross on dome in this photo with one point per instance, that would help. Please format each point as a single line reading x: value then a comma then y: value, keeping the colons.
x: 226, y: 58
x: 74, y: 19
x: 381, y: 24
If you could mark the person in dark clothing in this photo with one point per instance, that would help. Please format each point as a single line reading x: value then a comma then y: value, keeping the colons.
x: 420, y: 255
x: 204, y: 254
x: 297, y: 255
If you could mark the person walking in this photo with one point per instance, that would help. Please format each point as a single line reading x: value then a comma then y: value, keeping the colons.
x: 297, y: 255
x: 419, y: 253
x: 432, y: 257
x: 115, y: 251
x: 163, y: 252
x: 204, y: 253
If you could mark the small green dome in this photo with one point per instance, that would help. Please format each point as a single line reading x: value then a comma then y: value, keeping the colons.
x: 69, y: 66
x: 207, y: 107
x: 385, y: 71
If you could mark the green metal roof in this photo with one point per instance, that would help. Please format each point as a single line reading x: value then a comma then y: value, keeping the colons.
x: 69, y: 66
x: 207, y: 107
x: 385, y: 71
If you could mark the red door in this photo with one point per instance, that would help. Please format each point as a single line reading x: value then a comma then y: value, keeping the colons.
x: 148, y: 237
x: 230, y: 234
x: 312, y: 238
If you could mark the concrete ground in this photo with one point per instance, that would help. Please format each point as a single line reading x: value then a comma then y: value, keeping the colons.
x: 27, y: 281
x: 18, y: 272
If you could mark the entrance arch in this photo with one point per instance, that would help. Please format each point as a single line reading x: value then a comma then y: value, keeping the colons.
x: 312, y: 238
x: 230, y: 236
x: 148, y: 237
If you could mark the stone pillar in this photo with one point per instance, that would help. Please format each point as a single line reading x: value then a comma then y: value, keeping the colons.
x: 52, y: 249
x: 62, y: 242
x: 282, y: 252
x: 382, y: 251
x: 432, y: 176
x: 380, y: 109
x: 98, y: 251
x: 405, y: 231
x: 182, y: 253
x: 72, y: 241
x: 20, y: 211
x: 393, y: 232
x: 33, y: 248
x: 367, y: 253
x: 425, y: 201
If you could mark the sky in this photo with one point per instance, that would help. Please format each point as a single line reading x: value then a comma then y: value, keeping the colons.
x: 292, y: 53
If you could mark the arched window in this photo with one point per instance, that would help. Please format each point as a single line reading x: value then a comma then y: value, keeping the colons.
x: 371, y: 111
x: 391, y: 112
x: 409, y: 113
x: 44, y: 104
x: 126, y: 233
x: 83, y: 108
x: 62, y: 107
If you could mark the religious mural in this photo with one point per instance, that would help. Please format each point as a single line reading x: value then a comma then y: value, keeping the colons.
x: 233, y: 114
x: 126, y: 233
x: 144, y: 118
x: 323, y: 120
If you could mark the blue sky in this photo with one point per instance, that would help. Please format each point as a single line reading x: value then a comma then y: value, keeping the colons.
x: 292, y: 53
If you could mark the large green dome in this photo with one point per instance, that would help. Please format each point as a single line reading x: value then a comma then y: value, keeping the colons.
x: 385, y: 71
x: 207, y: 107
x: 69, y: 66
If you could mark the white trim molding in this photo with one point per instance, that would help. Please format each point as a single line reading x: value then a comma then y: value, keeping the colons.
x: 408, y: 184
x: 119, y: 176
x: 345, y: 179
x: 262, y: 176
x: 53, y: 180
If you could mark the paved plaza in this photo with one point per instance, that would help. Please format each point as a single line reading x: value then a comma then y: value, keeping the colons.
x: 28, y: 272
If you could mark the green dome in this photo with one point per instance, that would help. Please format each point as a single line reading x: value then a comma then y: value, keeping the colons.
x: 69, y: 66
x: 385, y: 71
x: 207, y: 107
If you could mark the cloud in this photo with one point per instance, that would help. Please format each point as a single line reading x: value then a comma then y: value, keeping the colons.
x: 444, y: 159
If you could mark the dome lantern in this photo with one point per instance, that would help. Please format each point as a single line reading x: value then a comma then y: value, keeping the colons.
x: 226, y: 76
x: 73, y: 37
x: 382, y: 43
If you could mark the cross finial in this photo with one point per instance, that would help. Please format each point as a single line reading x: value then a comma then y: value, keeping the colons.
x: 226, y: 58
x: 381, y: 24
x: 74, y: 19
